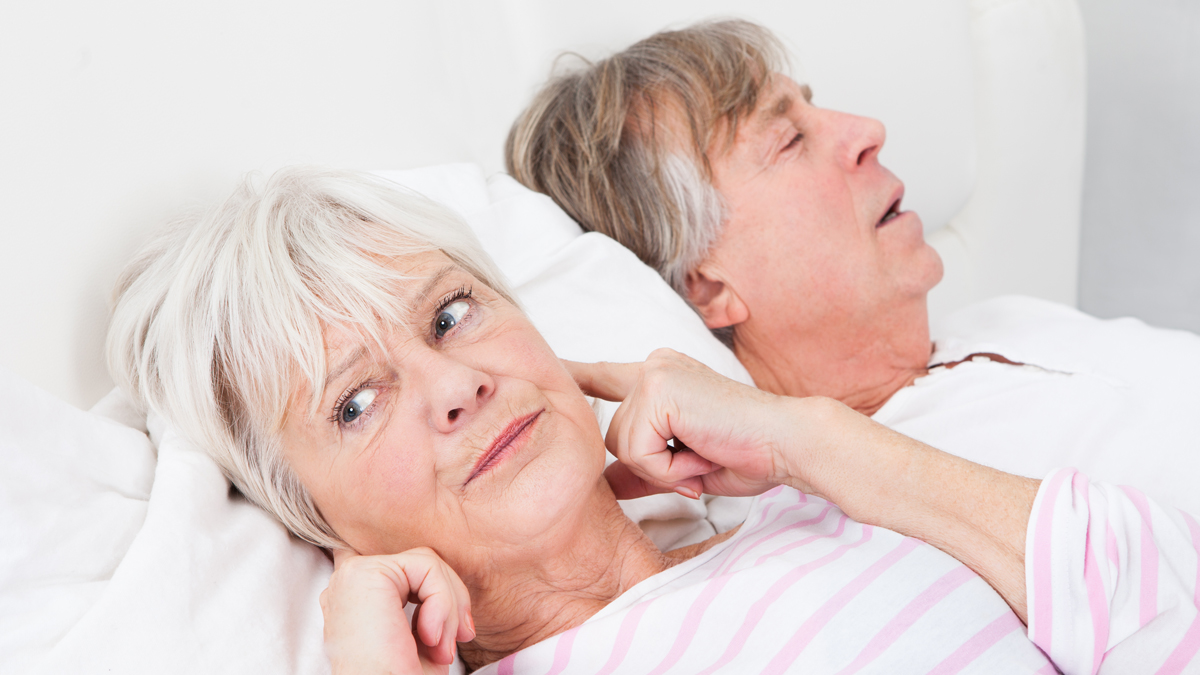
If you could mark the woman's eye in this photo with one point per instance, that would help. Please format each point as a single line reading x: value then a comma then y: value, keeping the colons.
x: 357, y: 405
x: 450, y: 316
x: 795, y: 140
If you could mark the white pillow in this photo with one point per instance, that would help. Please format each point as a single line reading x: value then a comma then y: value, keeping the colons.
x: 73, y: 494
x: 120, y: 557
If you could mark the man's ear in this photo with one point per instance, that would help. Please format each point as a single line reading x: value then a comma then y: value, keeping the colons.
x: 716, y: 301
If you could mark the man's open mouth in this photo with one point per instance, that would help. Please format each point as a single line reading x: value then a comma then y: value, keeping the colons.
x: 892, y: 212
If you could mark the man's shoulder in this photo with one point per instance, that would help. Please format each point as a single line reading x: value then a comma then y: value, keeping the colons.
x: 1008, y: 314
x: 1050, y: 334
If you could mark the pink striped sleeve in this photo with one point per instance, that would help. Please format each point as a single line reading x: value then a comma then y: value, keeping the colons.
x: 1110, y: 571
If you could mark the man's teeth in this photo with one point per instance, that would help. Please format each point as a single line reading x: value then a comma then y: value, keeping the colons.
x: 892, y: 212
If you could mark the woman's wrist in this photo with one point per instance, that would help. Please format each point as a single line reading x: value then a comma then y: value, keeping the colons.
x: 830, y: 452
x: 879, y: 477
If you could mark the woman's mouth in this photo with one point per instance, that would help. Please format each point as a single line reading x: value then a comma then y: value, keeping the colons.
x: 508, y: 440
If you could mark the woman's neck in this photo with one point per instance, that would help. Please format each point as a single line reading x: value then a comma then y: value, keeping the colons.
x: 514, y: 609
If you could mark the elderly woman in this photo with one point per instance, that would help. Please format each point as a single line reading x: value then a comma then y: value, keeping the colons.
x: 355, y: 364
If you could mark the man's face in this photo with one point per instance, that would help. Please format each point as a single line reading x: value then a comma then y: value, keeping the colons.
x: 815, y: 242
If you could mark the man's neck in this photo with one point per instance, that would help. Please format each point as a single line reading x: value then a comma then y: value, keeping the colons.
x: 861, y: 372
x: 514, y: 609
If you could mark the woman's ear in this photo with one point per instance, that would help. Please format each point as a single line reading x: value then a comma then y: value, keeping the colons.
x: 716, y: 301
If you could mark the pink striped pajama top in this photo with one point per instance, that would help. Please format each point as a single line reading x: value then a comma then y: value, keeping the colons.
x: 1112, y: 579
x: 800, y: 588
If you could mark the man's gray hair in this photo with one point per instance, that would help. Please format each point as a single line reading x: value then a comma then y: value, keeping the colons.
x: 220, y: 319
x: 623, y: 144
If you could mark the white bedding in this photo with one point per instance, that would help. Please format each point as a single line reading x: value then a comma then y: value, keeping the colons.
x: 1116, y: 399
x: 132, y: 563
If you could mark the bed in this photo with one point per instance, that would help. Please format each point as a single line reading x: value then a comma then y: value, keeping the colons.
x: 125, y: 550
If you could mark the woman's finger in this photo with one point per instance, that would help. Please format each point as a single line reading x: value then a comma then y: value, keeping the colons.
x: 442, y: 596
x: 341, y: 555
x: 616, y: 439
x: 432, y: 623
x: 608, y: 381
x: 626, y: 484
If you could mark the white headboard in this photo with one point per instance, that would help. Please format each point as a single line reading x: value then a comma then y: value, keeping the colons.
x: 119, y: 115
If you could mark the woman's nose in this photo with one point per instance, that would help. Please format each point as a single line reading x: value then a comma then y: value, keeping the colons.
x: 455, y: 390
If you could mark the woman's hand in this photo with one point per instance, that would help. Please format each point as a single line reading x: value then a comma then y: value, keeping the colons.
x: 733, y: 436
x: 366, y: 630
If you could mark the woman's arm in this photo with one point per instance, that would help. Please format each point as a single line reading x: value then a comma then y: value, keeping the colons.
x: 741, y: 440
x: 1111, y: 579
x: 976, y: 514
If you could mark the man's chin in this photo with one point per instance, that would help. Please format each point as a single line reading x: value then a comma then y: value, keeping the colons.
x: 925, y: 271
x: 938, y: 271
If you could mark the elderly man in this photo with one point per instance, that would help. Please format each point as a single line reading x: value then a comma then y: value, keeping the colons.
x: 774, y: 218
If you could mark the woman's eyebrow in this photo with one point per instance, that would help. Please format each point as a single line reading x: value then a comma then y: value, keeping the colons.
x: 342, y: 367
x: 435, y: 279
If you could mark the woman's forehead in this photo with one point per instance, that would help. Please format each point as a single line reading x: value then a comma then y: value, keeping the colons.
x: 421, y: 276
x: 421, y: 280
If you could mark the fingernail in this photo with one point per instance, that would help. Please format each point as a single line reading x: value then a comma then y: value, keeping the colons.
x: 471, y: 625
x: 687, y: 492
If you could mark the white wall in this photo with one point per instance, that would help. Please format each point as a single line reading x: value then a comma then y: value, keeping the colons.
x: 1140, y: 252
x: 115, y: 115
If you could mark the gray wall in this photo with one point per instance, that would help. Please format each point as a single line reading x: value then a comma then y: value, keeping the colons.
x: 1140, y: 249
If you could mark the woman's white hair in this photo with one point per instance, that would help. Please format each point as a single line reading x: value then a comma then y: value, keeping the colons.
x: 219, y: 319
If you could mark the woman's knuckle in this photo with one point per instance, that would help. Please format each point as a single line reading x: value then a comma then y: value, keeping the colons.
x: 422, y: 552
x: 354, y: 565
x: 663, y: 353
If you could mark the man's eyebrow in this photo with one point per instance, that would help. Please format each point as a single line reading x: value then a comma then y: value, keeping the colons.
x: 778, y: 108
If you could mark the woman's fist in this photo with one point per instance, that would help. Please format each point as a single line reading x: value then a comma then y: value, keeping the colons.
x: 725, y: 438
x: 366, y: 630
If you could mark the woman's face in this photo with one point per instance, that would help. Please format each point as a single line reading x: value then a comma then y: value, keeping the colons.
x: 465, y: 434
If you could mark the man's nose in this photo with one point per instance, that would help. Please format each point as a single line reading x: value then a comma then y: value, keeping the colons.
x: 863, y: 138
x: 455, y: 390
